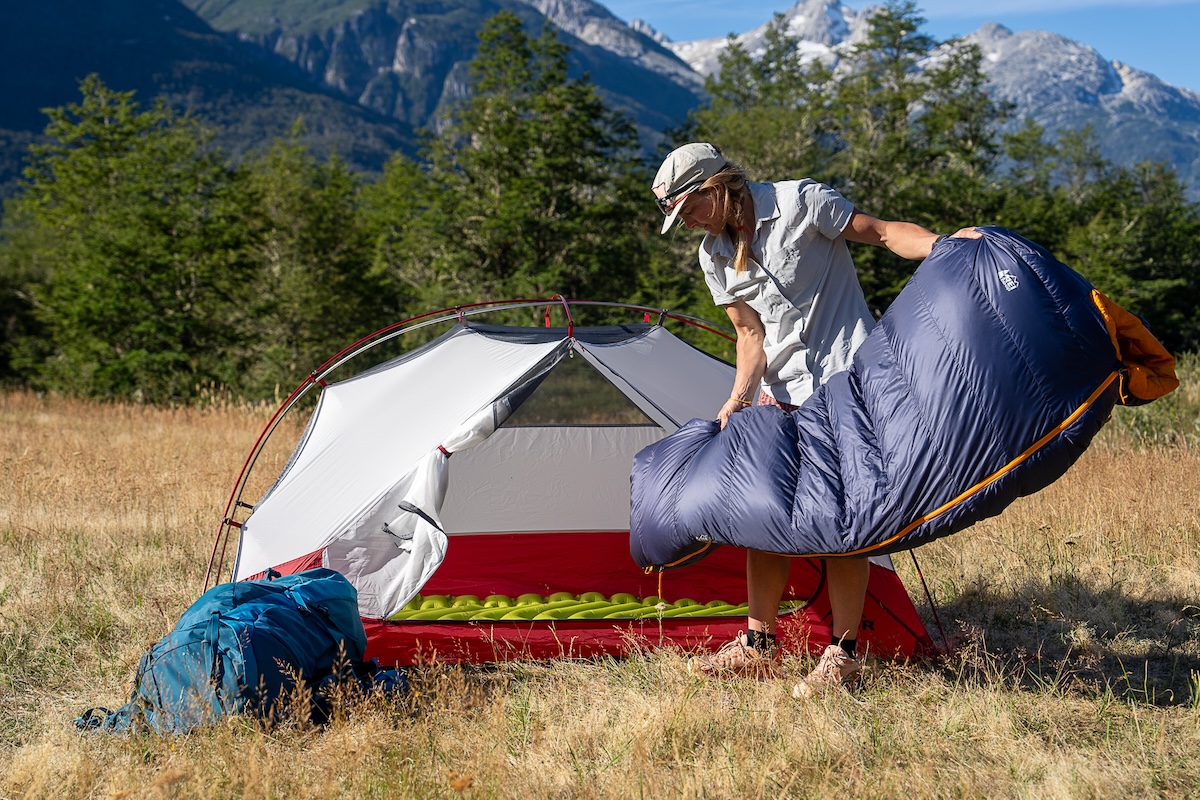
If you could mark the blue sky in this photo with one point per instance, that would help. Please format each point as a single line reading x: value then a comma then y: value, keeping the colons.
x: 1156, y: 36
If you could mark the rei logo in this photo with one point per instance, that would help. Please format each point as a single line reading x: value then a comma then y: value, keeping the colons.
x: 1008, y: 280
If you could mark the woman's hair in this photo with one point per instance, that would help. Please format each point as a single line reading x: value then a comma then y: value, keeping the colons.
x: 732, y: 200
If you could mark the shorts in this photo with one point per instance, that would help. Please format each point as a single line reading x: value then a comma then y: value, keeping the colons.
x: 765, y: 399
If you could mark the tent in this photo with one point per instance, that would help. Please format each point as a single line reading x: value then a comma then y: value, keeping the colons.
x: 495, y: 461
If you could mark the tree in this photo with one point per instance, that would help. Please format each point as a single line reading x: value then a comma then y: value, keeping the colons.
x: 917, y: 136
x: 1137, y: 239
x: 769, y: 112
x: 20, y: 333
x: 1130, y: 231
x: 139, y: 235
x: 315, y: 291
x: 903, y: 133
x: 539, y: 189
x: 1025, y: 197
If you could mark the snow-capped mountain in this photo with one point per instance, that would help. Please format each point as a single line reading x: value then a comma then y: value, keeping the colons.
x: 1064, y: 84
x: 1047, y: 73
x: 399, y: 65
x: 1060, y: 83
x: 593, y: 23
x: 822, y: 27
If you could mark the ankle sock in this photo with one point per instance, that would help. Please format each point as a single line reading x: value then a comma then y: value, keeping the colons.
x: 849, y: 647
x: 760, y: 640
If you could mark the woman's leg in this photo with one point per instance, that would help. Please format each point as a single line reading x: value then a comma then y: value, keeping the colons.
x: 847, y: 586
x: 752, y: 653
x: 846, y: 582
x: 766, y: 578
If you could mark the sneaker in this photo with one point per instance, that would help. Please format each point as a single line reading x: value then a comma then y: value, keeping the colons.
x: 735, y: 658
x: 835, y: 668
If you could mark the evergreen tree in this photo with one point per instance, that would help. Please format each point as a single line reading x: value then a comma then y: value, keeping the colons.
x: 22, y: 340
x: 539, y: 186
x: 1025, y: 196
x: 402, y: 216
x: 917, y: 136
x: 138, y: 234
x: 901, y: 134
x: 315, y: 291
x: 770, y: 111
x: 1130, y: 231
x: 1133, y: 234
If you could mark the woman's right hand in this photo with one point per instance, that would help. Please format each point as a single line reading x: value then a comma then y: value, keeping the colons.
x: 751, y: 358
x: 730, y: 408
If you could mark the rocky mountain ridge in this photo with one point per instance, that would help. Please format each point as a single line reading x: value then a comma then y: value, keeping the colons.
x: 408, y: 59
x: 367, y: 73
x: 823, y: 28
x: 159, y: 48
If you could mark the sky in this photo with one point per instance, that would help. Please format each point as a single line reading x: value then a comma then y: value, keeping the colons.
x: 1155, y: 36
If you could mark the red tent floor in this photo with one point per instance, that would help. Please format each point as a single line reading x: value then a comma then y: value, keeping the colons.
x: 517, y: 563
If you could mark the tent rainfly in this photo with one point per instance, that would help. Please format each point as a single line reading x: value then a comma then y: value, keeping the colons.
x: 495, y: 462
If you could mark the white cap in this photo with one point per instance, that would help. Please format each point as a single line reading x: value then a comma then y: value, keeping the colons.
x: 683, y: 171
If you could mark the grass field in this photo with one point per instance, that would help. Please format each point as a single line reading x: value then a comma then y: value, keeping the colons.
x: 1075, y: 671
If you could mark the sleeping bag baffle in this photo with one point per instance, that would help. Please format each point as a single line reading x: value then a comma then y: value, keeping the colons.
x: 983, y: 382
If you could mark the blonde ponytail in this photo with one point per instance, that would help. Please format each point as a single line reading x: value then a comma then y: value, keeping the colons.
x: 732, y: 200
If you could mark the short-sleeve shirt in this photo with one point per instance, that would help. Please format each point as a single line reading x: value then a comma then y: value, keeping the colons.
x: 802, y: 284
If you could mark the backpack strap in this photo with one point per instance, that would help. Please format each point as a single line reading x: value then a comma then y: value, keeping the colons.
x: 212, y: 636
x: 300, y: 602
x: 93, y: 719
x: 101, y: 720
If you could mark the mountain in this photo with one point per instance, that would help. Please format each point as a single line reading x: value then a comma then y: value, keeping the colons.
x: 365, y: 74
x: 822, y: 27
x: 159, y: 47
x: 1063, y: 85
x: 1059, y: 83
x: 407, y: 59
x: 593, y: 23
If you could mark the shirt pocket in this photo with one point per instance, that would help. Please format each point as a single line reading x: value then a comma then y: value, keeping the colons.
x: 749, y: 285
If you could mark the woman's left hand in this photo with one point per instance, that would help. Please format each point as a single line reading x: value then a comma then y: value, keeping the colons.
x: 967, y: 233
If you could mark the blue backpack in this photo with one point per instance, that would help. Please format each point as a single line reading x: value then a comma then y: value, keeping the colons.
x: 244, y: 647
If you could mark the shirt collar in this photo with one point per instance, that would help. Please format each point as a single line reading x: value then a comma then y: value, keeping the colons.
x: 765, y: 206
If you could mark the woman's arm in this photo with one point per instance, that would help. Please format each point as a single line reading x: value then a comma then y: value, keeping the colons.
x: 905, y: 239
x: 751, y: 359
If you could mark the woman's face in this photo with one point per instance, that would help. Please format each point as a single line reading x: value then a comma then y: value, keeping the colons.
x: 700, y: 211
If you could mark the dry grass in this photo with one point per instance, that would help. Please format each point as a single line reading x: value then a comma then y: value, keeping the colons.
x: 1074, y: 614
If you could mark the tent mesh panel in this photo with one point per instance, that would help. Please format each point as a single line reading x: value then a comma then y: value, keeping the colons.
x: 574, y: 393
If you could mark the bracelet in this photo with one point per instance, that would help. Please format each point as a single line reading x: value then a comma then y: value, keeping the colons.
x: 740, y: 400
x: 938, y: 240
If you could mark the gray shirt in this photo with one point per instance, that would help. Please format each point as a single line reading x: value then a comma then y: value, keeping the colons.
x: 801, y: 282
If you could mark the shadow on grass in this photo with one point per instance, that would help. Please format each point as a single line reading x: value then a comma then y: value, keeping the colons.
x: 1066, y: 636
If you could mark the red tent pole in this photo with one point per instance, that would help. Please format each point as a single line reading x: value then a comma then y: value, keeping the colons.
x: 929, y: 599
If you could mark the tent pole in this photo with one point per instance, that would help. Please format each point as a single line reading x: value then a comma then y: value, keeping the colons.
x: 929, y: 599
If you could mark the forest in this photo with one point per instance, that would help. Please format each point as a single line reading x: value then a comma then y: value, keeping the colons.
x: 139, y: 261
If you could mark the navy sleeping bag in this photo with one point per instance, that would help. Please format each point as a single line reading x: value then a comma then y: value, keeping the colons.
x: 984, y: 381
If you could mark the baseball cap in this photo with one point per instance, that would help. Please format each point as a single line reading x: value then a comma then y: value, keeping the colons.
x: 683, y: 171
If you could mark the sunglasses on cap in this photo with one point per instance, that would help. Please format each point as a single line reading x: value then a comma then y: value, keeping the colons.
x: 664, y: 202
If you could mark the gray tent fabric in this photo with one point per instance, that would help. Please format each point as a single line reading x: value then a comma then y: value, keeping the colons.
x: 399, y: 459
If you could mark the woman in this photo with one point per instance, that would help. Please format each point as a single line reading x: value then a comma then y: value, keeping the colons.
x: 775, y: 257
